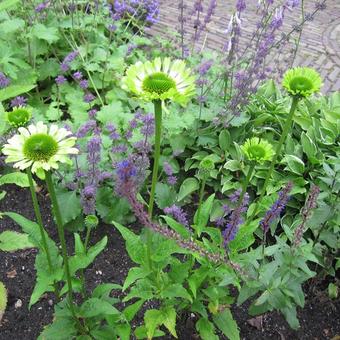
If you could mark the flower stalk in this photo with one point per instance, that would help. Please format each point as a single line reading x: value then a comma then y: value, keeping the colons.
x: 40, y: 224
x: 158, y: 133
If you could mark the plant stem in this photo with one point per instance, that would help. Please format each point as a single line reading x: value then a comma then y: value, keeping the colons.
x: 246, y: 182
x: 61, y: 235
x: 41, y: 226
x: 158, y: 132
x: 87, y: 238
x: 283, y: 137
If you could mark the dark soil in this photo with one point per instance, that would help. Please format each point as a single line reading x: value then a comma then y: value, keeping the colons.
x: 319, y: 319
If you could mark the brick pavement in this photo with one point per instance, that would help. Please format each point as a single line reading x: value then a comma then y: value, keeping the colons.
x: 320, y: 41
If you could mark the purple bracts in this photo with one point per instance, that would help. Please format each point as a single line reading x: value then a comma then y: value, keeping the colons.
x: 276, y: 209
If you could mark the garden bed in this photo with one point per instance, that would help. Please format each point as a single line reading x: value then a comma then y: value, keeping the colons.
x: 318, y: 318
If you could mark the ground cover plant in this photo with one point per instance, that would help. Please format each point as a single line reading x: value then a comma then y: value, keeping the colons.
x: 220, y: 173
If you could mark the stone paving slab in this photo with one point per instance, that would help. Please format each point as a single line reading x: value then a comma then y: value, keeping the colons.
x: 320, y: 41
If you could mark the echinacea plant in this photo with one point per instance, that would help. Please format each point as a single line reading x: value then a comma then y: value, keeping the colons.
x: 38, y: 149
x: 300, y: 83
x: 157, y: 81
x: 19, y: 116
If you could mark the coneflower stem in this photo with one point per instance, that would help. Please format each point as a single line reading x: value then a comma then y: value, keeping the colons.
x: 283, y: 137
x: 60, y: 227
x: 201, y: 198
x: 158, y: 132
x: 41, y: 225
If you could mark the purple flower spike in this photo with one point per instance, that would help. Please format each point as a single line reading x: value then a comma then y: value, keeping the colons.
x: 4, y: 81
x: 18, y: 101
x: 177, y: 213
x: 276, y: 209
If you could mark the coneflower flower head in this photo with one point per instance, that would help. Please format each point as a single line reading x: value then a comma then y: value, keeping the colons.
x: 160, y: 79
x: 40, y: 147
x: 257, y: 150
x: 302, y: 82
x: 19, y: 116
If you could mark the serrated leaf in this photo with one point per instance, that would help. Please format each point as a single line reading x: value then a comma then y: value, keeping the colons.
x: 49, y: 34
x: 206, y: 329
x: 165, y: 196
x: 201, y: 217
x: 130, y: 311
x: 13, y: 241
x: 135, y: 274
x: 225, y: 322
x: 94, y: 307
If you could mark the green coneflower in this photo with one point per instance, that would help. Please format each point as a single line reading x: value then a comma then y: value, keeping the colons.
x: 302, y: 82
x: 257, y: 150
x: 160, y: 79
x: 19, y: 116
x: 39, y: 147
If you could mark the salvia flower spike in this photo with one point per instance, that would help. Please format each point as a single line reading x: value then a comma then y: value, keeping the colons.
x: 160, y: 79
x: 19, y: 116
x: 257, y: 150
x: 40, y: 147
x: 302, y: 82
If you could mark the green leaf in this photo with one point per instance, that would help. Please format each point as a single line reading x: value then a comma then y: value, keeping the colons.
x: 295, y: 164
x: 130, y: 311
x: 70, y: 203
x: 224, y: 140
x: 169, y: 319
x: 202, y: 219
x: 225, y: 322
x: 135, y: 274
x: 141, y: 333
x: 179, y: 228
x: 49, y: 34
x: 188, y: 186
x: 233, y: 165
x: 165, y: 195
x: 14, y: 90
x: 152, y: 319
x: 94, y: 307
x: 18, y: 178
x: 8, y: 4
x: 134, y: 245
x: 3, y: 299
x: 176, y: 290
x: 12, y: 25
x: 290, y: 315
x: 206, y: 329
x: 13, y: 241
x: 83, y: 260
x: 309, y: 148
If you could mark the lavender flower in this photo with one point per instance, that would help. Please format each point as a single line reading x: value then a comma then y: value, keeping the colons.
x: 306, y: 213
x: 18, y: 101
x: 234, y: 197
x: 235, y: 220
x: 276, y: 209
x: 178, y: 214
x: 93, y: 150
x: 114, y: 135
x: 241, y: 5
x: 60, y: 80
x: 92, y: 113
x: 89, y: 97
x: 42, y: 6
x: 78, y: 75
x: 84, y: 84
x: 65, y: 65
x: 86, y: 128
x: 4, y: 81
